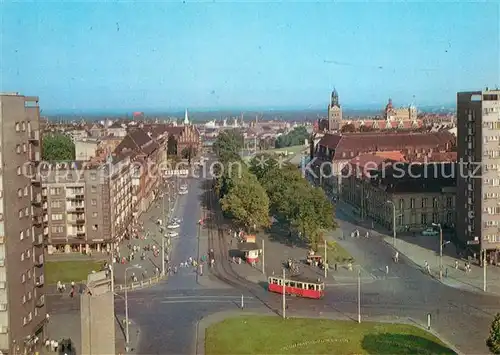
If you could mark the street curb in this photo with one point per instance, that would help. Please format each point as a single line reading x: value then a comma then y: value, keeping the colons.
x: 203, y: 323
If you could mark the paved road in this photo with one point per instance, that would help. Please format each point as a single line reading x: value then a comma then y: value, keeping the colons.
x: 167, y: 313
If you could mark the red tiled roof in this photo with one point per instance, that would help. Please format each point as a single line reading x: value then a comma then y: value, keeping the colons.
x: 352, y: 144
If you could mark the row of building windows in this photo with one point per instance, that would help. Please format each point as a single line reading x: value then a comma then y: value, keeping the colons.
x: 21, y: 148
x: 493, y: 238
x: 27, y: 274
x: 21, y: 126
x: 25, y: 212
x: 491, y: 210
x: 424, y: 202
x: 24, y: 191
x: 491, y: 125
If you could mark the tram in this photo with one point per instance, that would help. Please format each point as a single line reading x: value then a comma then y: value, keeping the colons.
x: 300, y: 287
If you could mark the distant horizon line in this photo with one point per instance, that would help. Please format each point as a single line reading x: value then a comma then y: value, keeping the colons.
x: 239, y: 110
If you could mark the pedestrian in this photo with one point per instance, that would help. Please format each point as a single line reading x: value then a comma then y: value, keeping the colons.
x: 387, y: 269
x: 456, y: 264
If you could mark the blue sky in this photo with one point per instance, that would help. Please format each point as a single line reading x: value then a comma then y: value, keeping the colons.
x: 170, y: 55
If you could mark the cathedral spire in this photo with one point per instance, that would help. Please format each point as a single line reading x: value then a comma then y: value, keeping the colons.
x: 335, y: 98
x: 186, y: 118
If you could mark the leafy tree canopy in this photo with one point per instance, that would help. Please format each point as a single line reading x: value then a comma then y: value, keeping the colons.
x: 228, y: 145
x: 296, y: 137
x: 493, y: 341
x: 57, y: 147
x: 247, y: 202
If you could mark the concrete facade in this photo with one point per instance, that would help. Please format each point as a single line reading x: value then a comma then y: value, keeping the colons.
x: 478, y: 129
x: 22, y: 300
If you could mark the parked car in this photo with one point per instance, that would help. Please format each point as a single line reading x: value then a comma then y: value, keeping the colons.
x: 183, y: 192
x: 173, y: 225
x: 172, y: 234
x: 430, y: 232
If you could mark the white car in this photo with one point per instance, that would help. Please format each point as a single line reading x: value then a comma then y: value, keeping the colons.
x: 173, y: 225
x: 176, y: 220
x: 183, y: 192
x: 172, y: 234
x: 430, y: 232
x: 184, y: 187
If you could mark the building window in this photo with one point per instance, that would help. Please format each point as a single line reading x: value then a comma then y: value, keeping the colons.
x: 435, y: 202
x: 435, y: 217
x: 55, y: 190
x: 95, y: 227
x: 401, y: 204
x: 57, y: 229
x: 29, y: 274
x: 19, y: 170
x: 21, y: 235
x: 21, y: 213
x: 23, y: 278
x: 94, y: 202
x: 423, y: 218
x: 28, y: 253
x: 23, y: 125
x: 20, y: 193
x: 22, y: 256
x: 55, y: 204
x: 93, y: 176
x: 27, y: 232
x: 94, y: 214
x: 57, y: 217
x: 93, y: 189
x: 24, y: 318
x: 18, y: 148
x: 26, y: 191
x: 25, y: 149
x: 18, y: 127
x: 27, y: 211
x: 424, y: 202
x: 412, y: 203
x: 30, y: 316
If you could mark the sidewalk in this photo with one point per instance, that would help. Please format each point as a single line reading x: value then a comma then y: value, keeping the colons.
x: 147, y: 266
x: 420, y: 249
x: 458, y: 278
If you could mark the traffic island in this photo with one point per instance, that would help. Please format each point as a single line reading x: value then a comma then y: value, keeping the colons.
x: 255, y: 334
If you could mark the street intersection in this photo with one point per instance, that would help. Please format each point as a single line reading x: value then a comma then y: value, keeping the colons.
x: 167, y: 314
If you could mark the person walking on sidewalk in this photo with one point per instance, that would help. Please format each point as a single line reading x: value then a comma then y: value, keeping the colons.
x: 396, y: 257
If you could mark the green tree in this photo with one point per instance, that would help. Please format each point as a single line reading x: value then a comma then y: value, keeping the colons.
x: 57, y: 147
x: 348, y: 128
x: 296, y: 137
x: 493, y: 341
x: 247, y: 202
x: 228, y: 145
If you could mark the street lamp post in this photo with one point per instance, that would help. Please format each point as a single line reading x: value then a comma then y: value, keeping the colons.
x: 393, y: 221
x: 127, y: 337
x: 440, y: 249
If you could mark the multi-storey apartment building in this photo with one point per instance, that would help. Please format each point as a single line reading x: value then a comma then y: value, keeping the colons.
x: 478, y: 209
x: 87, y: 205
x: 22, y: 304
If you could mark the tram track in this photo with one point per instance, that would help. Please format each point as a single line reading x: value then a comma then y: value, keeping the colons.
x: 222, y: 269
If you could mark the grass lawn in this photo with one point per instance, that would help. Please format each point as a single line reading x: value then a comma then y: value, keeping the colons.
x: 67, y: 271
x: 273, y: 335
x: 336, y: 253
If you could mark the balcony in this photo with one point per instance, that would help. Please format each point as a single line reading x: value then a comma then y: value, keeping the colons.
x: 34, y: 136
x: 36, y: 180
x: 39, y: 260
x: 40, y: 302
x: 38, y: 240
x: 45, y: 205
x: 80, y: 234
x: 80, y: 219
x: 39, y: 281
x: 45, y: 218
x: 37, y: 201
x: 35, y: 156
x: 37, y: 221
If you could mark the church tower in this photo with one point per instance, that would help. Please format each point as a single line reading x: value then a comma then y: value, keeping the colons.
x: 186, y: 118
x: 334, y: 112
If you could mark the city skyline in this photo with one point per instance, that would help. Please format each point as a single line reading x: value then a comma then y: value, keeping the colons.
x: 165, y: 57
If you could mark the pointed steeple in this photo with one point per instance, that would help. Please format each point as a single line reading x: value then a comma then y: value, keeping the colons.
x: 186, y: 118
x: 335, y: 98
